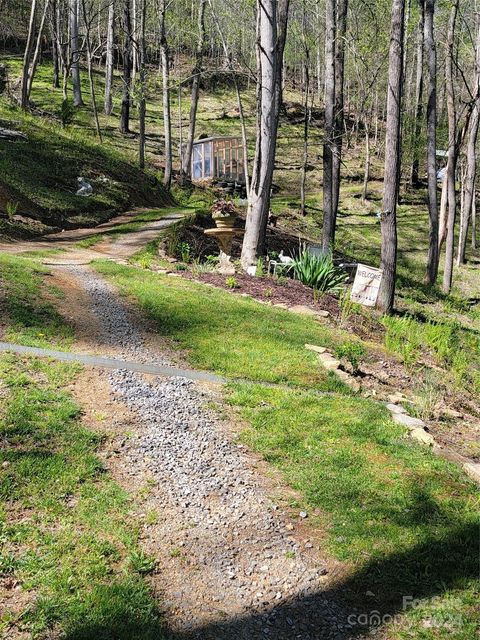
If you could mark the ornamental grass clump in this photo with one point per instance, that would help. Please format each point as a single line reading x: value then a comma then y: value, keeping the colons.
x: 319, y: 272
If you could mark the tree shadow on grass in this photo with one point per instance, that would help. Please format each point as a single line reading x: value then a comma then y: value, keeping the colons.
x: 344, y: 610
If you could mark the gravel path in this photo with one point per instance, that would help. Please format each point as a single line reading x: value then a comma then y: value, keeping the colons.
x: 232, y: 568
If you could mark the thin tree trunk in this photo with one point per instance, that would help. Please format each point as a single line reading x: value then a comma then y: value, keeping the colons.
x: 38, y: 47
x: 342, y: 10
x: 187, y: 158
x: 306, y: 120
x: 418, y: 109
x: 432, y: 262
x: 167, y: 123
x: 452, y: 151
x: 471, y: 156
x: 75, y: 54
x: 366, y: 175
x: 55, y: 44
x: 272, y: 19
x: 109, y: 58
x: 127, y: 69
x: 386, y: 295
x: 88, y: 42
x: 329, y: 217
x: 474, y: 221
x: 142, y: 103
x: 27, y: 55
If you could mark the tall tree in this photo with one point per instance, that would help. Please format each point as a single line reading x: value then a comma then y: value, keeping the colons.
x: 272, y: 18
x: 75, y: 53
x: 142, y: 104
x: 27, y: 55
x: 88, y: 16
x: 197, y: 72
x: 342, y: 11
x: 430, y: 48
x: 418, y: 107
x: 392, y: 159
x: 167, y: 121
x: 127, y: 68
x: 109, y: 58
x: 452, y: 148
x: 329, y: 214
x: 471, y: 152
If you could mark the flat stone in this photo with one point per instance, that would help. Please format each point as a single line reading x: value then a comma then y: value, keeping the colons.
x: 397, y: 397
x: 302, y: 310
x: 407, y: 421
x: 395, y: 408
x: 422, y: 436
x: 328, y: 361
x: 281, y: 305
x: 314, y: 347
x: 322, y: 313
x: 472, y: 469
x: 348, y: 379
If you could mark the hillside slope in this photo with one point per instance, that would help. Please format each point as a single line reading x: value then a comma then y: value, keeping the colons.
x: 38, y: 178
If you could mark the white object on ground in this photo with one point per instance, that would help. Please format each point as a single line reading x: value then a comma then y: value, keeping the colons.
x: 84, y: 187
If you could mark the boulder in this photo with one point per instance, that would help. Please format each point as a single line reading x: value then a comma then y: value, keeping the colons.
x: 472, y: 469
x: 407, y: 421
x: 422, y: 436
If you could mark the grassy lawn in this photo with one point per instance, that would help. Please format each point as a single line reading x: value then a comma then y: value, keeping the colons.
x: 70, y: 562
x: 29, y: 314
x: 405, y: 521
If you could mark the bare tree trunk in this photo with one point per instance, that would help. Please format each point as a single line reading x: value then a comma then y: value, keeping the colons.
x: 109, y: 58
x: 142, y: 107
x: 366, y: 175
x: 306, y: 120
x: 432, y: 262
x: 471, y: 156
x: 75, y: 54
x: 167, y: 123
x: 443, y: 216
x: 127, y: 69
x: 342, y: 10
x: 88, y: 22
x: 272, y: 19
x: 329, y: 133
x: 452, y: 151
x: 474, y: 221
x: 27, y: 55
x: 418, y: 110
x: 56, y: 57
x: 38, y: 46
x: 187, y: 157
x: 392, y: 159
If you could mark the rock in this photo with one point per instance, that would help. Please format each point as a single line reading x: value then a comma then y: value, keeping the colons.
x: 451, y: 413
x: 397, y: 397
x: 407, y: 421
x: 422, y: 436
x: 328, y: 361
x: 12, y: 135
x: 348, y: 380
x: 303, y: 514
x: 472, y: 469
x: 281, y: 305
x: 322, y: 313
x: 313, y: 347
x: 302, y: 310
x: 396, y: 408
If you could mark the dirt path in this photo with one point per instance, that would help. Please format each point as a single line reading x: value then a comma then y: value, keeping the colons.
x: 118, y: 249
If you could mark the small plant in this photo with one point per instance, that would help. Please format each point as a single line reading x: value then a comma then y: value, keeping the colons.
x: 12, y: 208
x: 268, y: 293
x: 231, y: 282
x: 66, y: 112
x: 175, y: 552
x: 319, y: 272
x: 184, y: 250
x: 351, y: 351
x: 142, y: 563
x: 223, y: 209
x: 282, y: 279
x: 260, y: 268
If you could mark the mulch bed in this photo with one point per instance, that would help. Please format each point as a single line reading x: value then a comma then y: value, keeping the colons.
x: 269, y: 289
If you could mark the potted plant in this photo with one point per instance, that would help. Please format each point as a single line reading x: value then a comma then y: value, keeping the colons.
x: 224, y: 213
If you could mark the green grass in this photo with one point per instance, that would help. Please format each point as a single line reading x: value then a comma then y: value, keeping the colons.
x: 31, y: 319
x: 405, y: 520
x: 379, y: 500
x: 232, y: 336
x: 65, y: 531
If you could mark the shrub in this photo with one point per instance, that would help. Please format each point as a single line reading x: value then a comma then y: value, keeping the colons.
x: 319, y: 272
x: 12, y: 208
x: 231, y: 282
x: 351, y: 351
